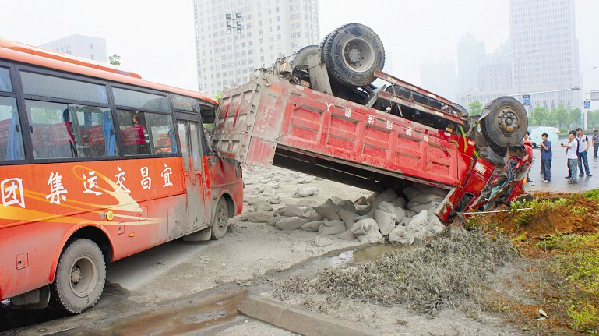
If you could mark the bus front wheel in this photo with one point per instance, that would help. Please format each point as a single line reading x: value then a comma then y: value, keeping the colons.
x: 80, y: 277
x: 220, y: 219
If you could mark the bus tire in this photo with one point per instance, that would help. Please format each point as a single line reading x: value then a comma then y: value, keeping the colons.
x: 504, y: 122
x: 220, y: 219
x: 352, y: 53
x: 80, y: 277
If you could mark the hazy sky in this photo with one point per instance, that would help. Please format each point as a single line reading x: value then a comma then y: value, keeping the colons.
x: 156, y: 38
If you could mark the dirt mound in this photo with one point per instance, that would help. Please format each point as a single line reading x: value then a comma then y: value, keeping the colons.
x: 444, y: 272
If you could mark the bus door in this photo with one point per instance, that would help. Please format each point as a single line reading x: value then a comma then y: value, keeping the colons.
x: 195, y: 183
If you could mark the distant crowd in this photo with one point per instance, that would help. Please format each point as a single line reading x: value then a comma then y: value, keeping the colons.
x: 577, y: 148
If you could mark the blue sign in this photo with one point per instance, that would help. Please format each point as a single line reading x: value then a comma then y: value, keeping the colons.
x: 587, y: 104
x: 525, y: 99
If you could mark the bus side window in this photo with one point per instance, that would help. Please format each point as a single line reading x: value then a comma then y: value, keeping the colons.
x: 146, y: 133
x: 11, y: 140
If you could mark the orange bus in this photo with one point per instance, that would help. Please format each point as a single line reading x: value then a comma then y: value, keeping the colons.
x: 97, y: 164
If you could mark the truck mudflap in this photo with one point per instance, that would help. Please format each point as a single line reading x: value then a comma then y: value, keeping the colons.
x: 493, y: 185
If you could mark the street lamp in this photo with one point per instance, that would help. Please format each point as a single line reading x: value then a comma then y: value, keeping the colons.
x: 581, y: 88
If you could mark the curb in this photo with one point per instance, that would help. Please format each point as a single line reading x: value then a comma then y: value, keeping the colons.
x: 300, y: 321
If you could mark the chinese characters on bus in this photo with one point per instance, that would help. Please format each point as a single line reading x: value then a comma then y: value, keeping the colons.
x: 13, y: 192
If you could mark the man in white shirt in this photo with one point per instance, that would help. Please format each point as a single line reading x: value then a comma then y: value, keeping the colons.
x: 583, y: 148
x: 572, y: 155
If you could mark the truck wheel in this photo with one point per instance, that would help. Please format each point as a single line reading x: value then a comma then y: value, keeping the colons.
x: 352, y: 53
x: 80, y: 277
x: 220, y: 219
x: 301, y: 56
x: 504, y: 123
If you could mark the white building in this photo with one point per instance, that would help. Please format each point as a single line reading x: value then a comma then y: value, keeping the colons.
x: 235, y: 37
x: 471, y: 56
x: 545, y: 51
x: 81, y: 46
x: 440, y: 78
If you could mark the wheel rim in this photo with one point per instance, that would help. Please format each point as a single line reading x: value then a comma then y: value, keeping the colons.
x: 358, y: 54
x: 508, y: 121
x: 83, y: 276
x: 221, y: 219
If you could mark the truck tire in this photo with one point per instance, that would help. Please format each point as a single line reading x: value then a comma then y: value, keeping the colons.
x: 352, y: 53
x: 301, y: 56
x: 220, y: 219
x: 80, y: 277
x: 504, y: 122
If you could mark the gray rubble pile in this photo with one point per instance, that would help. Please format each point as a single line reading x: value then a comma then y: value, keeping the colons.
x: 400, y: 219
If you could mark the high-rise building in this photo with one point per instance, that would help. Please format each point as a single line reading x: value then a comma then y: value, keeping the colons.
x: 440, y: 78
x: 545, y: 51
x: 235, y: 37
x: 81, y: 46
x: 471, y: 56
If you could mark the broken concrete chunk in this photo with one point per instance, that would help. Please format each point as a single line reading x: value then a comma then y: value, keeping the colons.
x: 399, y: 203
x: 388, y: 196
x: 292, y: 211
x: 399, y: 235
x: 273, y: 185
x: 291, y: 223
x: 371, y: 237
x: 274, y: 199
x: 385, y: 221
x: 410, y: 213
x: 410, y: 192
x: 420, y: 220
x: 305, y: 179
x: 364, y: 226
x: 347, y: 205
x: 432, y: 190
x: 311, y: 226
x: 348, y: 217
x: 312, y: 215
x: 259, y: 217
x: 387, y: 207
x: 426, y: 198
x: 347, y: 235
x: 321, y: 241
x: 332, y: 227
x: 400, y: 213
x: 328, y: 211
x: 306, y: 192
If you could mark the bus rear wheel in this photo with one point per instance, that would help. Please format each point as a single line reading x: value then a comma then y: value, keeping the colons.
x: 80, y: 277
x: 220, y: 219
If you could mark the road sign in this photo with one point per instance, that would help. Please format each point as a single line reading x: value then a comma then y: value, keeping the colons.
x: 587, y: 104
x: 525, y: 99
x: 594, y: 95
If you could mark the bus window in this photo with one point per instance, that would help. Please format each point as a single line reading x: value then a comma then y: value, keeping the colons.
x: 186, y: 104
x: 5, y: 84
x: 146, y: 133
x: 50, y: 86
x: 70, y: 130
x: 140, y: 100
x: 183, y: 140
x: 11, y: 141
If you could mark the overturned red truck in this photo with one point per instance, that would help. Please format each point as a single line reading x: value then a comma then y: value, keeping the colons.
x: 319, y: 112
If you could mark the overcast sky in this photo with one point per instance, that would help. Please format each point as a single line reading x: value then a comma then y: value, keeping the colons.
x: 156, y: 38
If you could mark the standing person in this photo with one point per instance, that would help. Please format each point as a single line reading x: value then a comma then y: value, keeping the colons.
x: 546, y: 157
x: 526, y: 141
x: 583, y: 146
x: 595, y: 142
x: 571, y: 154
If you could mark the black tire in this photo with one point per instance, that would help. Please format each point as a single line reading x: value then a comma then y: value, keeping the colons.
x: 80, y: 277
x: 505, y: 124
x: 301, y: 56
x: 220, y: 219
x: 352, y: 53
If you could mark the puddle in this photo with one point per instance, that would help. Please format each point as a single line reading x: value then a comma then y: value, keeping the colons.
x: 366, y: 254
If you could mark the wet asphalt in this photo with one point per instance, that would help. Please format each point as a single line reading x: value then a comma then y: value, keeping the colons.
x: 559, y: 170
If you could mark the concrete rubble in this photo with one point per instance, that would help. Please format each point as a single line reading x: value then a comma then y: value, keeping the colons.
x: 401, y: 217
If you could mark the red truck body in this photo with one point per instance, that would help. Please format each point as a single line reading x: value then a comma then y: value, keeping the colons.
x: 271, y: 121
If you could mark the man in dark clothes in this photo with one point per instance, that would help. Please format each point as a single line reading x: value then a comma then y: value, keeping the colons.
x: 546, y: 157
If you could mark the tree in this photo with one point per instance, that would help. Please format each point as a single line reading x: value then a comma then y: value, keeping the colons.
x: 541, y: 116
x: 563, y: 117
x: 114, y: 59
x: 475, y: 108
x: 576, y: 114
x: 218, y: 96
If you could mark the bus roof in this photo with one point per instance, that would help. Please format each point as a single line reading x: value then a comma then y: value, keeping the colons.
x: 29, y: 54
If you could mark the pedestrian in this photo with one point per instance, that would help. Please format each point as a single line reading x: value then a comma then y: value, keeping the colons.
x: 583, y: 147
x: 595, y: 142
x: 526, y: 141
x: 571, y: 154
x: 546, y: 157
